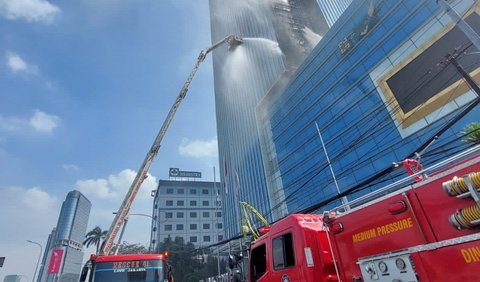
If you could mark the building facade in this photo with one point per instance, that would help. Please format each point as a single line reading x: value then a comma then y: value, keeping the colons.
x: 187, y: 209
x: 64, y: 256
x: 374, y: 90
x: 277, y: 35
x: 332, y: 10
x: 48, y: 246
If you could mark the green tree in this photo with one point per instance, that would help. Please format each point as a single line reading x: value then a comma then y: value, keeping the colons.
x: 471, y: 133
x: 127, y: 248
x: 95, y: 237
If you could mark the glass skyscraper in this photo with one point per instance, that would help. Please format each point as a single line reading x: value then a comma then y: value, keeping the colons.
x: 333, y: 9
x: 242, y: 77
x: 377, y: 90
x: 64, y: 255
x: 277, y: 36
x: 48, y: 247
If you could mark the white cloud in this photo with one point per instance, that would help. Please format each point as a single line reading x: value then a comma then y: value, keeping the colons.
x: 96, y: 187
x: 106, y: 195
x: 39, y: 121
x: 27, y: 214
x: 17, y: 64
x: 37, y: 200
x: 30, y: 10
x: 44, y: 122
x: 199, y: 148
x: 70, y: 167
x: 116, y: 186
x: 13, y: 124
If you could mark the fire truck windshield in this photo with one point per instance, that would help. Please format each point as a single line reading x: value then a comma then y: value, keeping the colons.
x: 134, y: 270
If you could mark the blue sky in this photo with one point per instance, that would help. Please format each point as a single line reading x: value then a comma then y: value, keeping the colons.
x: 84, y: 88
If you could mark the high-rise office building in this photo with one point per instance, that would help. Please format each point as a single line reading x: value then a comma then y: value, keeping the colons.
x: 65, y: 256
x: 277, y: 35
x: 376, y: 89
x: 333, y: 9
x: 48, y: 247
x: 187, y: 209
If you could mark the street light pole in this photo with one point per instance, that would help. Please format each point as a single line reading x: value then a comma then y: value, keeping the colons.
x: 124, y: 225
x: 38, y: 260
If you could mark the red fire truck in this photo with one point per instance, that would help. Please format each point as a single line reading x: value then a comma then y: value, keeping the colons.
x: 124, y: 268
x: 425, y: 231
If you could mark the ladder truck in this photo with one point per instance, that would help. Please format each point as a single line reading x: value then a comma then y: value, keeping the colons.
x: 146, y: 267
x: 417, y: 229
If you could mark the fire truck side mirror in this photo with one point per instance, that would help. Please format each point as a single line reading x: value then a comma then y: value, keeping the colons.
x: 84, y: 274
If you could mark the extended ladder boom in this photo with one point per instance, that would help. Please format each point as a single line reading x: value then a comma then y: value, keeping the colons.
x: 124, y: 209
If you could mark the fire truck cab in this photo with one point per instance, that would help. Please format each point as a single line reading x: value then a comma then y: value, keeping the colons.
x: 294, y: 249
x: 125, y: 268
x: 406, y: 231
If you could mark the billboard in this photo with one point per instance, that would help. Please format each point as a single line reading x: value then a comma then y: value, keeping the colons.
x: 55, y: 261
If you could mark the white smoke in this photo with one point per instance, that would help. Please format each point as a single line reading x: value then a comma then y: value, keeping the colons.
x: 311, y: 37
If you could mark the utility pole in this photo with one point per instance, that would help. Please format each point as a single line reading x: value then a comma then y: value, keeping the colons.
x: 468, y: 30
x: 473, y: 85
x: 125, y: 221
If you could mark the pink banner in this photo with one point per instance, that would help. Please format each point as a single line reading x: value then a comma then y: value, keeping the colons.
x: 55, y: 260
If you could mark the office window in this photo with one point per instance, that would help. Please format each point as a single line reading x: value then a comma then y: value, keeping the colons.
x: 168, y: 227
x: 181, y: 191
x: 193, y: 203
x: 193, y: 239
x: 169, y: 203
x: 205, y: 203
x: 169, y: 215
x: 169, y: 190
x: 206, y: 238
x: 220, y: 237
x: 205, y: 191
x: 206, y: 226
x: 205, y: 214
x: 193, y: 215
x: 179, y: 226
x: 219, y: 226
x: 193, y: 191
x: 219, y: 214
x: 179, y: 214
x: 193, y: 226
x: 180, y: 203
x: 282, y: 250
x: 154, y: 229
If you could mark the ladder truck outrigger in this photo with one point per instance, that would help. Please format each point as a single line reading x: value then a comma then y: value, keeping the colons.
x: 142, y: 267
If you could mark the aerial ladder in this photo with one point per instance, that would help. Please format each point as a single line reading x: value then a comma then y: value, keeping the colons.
x: 233, y: 41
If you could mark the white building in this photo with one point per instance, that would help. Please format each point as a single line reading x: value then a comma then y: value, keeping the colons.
x: 187, y: 209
